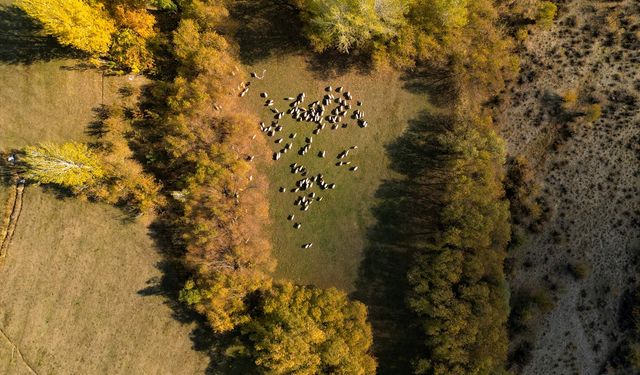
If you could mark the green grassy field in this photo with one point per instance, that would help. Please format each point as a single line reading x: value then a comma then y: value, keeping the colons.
x: 80, y: 288
x: 337, y: 226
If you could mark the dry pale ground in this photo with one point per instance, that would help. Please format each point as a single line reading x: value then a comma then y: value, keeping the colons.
x: 79, y: 287
x: 591, y: 182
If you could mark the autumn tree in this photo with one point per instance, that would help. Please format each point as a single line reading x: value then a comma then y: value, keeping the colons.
x: 73, y: 23
x: 346, y: 25
x: 459, y: 289
x: 136, y: 30
x: 69, y: 165
x: 307, y: 330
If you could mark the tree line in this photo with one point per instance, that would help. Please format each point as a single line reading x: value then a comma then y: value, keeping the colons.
x: 190, y: 135
x: 459, y: 293
x: 192, y: 138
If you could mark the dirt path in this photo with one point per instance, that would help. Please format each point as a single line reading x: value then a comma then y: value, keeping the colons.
x: 15, y: 202
x: 16, y: 350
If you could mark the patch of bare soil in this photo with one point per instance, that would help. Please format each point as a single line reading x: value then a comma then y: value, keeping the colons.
x: 590, y: 176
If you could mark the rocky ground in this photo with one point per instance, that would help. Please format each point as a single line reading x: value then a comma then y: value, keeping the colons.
x: 589, y: 172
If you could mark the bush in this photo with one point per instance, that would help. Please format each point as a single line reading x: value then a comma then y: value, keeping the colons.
x: 593, y: 112
x: 546, y: 13
x: 579, y: 270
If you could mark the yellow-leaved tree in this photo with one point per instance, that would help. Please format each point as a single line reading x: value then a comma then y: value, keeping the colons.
x: 69, y: 164
x: 73, y: 23
x: 306, y: 330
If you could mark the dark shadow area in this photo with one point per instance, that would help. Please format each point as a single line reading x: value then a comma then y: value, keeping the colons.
x: 437, y: 82
x: 97, y: 128
x: 406, y: 218
x: 266, y: 28
x: 21, y: 40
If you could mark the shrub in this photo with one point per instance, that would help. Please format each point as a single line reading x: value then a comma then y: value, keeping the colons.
x: 546, y: 13
x: 593, y: 112
x: 579, y: 270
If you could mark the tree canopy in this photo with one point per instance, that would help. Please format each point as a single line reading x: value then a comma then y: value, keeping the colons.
x: 348, y: 24
x: 307, y: 330
x: 69, y: 164
x: 73, y: 23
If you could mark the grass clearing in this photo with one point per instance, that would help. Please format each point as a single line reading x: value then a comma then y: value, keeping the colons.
x: 337, y: 226
x: 79, y: 294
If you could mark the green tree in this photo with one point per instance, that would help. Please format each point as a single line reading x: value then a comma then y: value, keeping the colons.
x: 69, y: 164
x: 306, y: 330
x: 73, y: 23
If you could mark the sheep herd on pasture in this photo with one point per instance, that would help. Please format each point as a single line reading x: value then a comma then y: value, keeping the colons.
x: 333, y: 111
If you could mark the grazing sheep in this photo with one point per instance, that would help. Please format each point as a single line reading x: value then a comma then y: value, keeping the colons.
x: 328, y: 89
x: 353, y: 169
x: 268, y: 103
x: 319, y: 199
x: 297, y: 225
x: 339, y: 89
x: 292, y: 135
x: 276, y: 156
x: 264, y: 94
x: 359, y: 103
x: 291, y: 217
x: 354, y: 147
x: 279, y: 140
x: 283, y: 189
x: 322, y: 154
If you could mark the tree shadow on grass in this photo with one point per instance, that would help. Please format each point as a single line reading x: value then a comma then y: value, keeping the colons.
x: 406, y: 216
x: 21, y: 40
x: 267, y: 28
x: 173, y: 278
x: 264, y: 28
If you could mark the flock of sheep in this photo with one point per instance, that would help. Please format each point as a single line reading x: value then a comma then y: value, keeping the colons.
x: 332, y: 111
